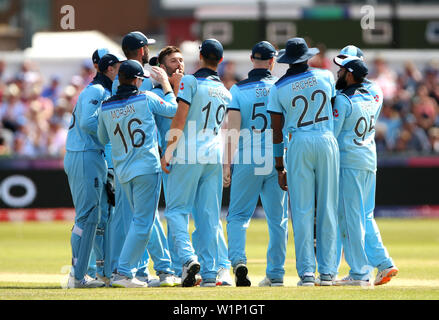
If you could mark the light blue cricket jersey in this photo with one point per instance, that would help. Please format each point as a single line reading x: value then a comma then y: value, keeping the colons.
x: 146, y: 86
x: 356, y: 110
x: 208, y: 100
x: 163, y: 123
x: 82, y: 134
x: 127, y: 121
x: 250, y: 98
x: 303, y: 95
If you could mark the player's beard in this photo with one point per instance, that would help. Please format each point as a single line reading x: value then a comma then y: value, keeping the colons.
x: 341, y: 83
x: 145, y: 57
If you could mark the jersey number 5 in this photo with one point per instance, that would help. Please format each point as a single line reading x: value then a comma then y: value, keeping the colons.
x: 131, y: 134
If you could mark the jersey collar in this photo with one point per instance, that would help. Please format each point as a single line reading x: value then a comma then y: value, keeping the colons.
x: 127, y: 90
x: 207, y: 74
x: 352, y: 88
x: 103, y: 80
x: 296, y: 69
x: 259, y: 73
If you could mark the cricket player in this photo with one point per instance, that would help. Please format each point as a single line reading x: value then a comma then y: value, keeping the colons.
x: 248, y: 113
x: 195, y: 176
x: 127, y: 121
x: 97, y: 55
x: 135, y: 46
x: 86, y: 170
x: 356, y: 108
x: 171, y: 60
x: 302, y: 99
x: 101, y: 249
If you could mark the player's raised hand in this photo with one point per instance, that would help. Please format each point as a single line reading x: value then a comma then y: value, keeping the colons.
x: 227, y: 178
x: 176, y: 78
x: 282, y: 179
x: 159, y: 74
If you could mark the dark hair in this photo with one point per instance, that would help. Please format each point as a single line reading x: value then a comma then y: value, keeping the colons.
x: 358, y: 79
x: 211, y: 60
x: 130, y: 54
x: 123, y: 78
x: 165, y: 52
x: 303, y: 63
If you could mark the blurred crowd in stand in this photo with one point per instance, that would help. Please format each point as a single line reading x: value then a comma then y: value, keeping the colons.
x: 35, y: 109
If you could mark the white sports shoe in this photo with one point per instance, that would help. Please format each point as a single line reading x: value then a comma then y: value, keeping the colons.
x: 86, y: 283
x: 385, y: 275
x: 223, y: 278
x: 349, y: 281
x: 120, y: 281
x: 190, y: 269
x: 166, y: 280
x: 325, y: 280
x: 103, y: 279
x: 198, y: 280
x: 307, y: 281
x: 153, y: 282
x: 266, y: 282
x: 177, y: 281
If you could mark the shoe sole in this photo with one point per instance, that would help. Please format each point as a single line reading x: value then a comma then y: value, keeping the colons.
x: 306, y: 284
x: 166, y: 285
x: 122, y: 286
x: 241, y: 277
x: 190, y: 280
x: 353, y: 284
x: 387, y: 277
x: 325, y: 283
x: 208, y: 285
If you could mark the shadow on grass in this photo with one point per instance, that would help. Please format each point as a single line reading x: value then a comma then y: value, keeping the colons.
x: 30, y: 287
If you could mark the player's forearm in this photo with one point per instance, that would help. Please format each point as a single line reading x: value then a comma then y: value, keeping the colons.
x: 177, y: 127
x: 232, y: 129
x: 166, y: 86
x: 278, y: 143
x: 276, y: 126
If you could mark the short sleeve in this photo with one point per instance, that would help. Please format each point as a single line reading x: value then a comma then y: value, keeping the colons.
x: 274, y: 105
x: 188, y: 87
x: 341, y: 110
x: 234, y: 104
x: 332, y: 82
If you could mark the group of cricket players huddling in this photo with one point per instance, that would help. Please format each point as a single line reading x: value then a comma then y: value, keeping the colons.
x: 134, y: 132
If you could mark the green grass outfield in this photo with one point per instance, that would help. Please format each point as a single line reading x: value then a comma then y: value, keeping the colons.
x: 35, y: 258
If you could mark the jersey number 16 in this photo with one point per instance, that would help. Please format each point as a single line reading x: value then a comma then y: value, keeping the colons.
x: 131, y: 134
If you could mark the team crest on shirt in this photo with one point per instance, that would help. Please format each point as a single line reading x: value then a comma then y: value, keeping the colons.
x: 94, y: 101
x: 335, y: 113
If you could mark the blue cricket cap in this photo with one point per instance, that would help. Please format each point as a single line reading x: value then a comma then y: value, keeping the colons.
x: 132, y: 69
x: 109, y: 59
x: 351, y: 50
x: 135, y: 40
x: 296, y: 51
x: 353, y: 64
x: 263, y: 50
x: 98, y: 54
x: 211, y: 47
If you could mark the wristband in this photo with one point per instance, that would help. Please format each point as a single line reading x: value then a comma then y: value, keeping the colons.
x: 278, y: 150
